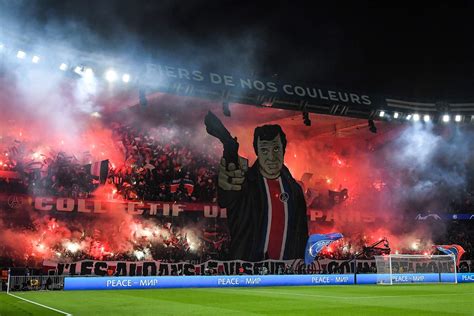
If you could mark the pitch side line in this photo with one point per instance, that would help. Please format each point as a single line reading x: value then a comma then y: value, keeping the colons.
x: 51, y: 308
x: 341, y: 297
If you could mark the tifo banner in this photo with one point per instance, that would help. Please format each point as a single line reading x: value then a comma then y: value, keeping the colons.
x: 99, y: 206
x: 154, y: 268
x: 150, y: 268
x: 243, y: 84
x: 131, y: 207
x: 166, y: 209
x: 173, y: 178
x: 126, y: 283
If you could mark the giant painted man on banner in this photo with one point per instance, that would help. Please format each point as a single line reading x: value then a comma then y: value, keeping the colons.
x: 265, y: 205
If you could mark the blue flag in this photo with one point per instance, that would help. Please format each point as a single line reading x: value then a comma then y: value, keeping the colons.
x: 455, y: 250
x: 316, y: 243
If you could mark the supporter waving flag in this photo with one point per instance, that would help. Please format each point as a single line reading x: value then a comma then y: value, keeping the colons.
x: 99, y: 169
x: 316, y: 243
x: 455, y: 250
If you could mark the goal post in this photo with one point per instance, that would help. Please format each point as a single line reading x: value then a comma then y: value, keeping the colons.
x: 8, y: 282
x: 402, y: 269
x: 34, y: 282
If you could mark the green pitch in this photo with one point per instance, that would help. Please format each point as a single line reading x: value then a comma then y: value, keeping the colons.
x: 446, y: 299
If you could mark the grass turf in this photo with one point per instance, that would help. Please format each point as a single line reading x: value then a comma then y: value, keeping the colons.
x: 446, y: 299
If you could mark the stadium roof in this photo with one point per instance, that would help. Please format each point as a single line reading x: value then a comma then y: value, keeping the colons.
x: 412, y: 52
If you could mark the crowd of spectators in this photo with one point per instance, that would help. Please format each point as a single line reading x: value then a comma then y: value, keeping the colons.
x: 158, y: 166
x: 461, y: 233
x: 163, y: 166
x: 161, y: 240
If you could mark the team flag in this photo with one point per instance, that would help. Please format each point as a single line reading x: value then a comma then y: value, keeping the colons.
x: 455, y: 250
x: 187, y: 183
x: 316, y: 243
x: 5, y: 174
x: 99, y: 169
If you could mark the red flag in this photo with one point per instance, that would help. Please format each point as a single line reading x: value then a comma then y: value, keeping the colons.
x: 455, y: 250
x: 9, y: 175
x: 99, y: 169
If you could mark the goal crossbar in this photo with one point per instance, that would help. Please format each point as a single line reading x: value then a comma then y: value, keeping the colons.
x: 401, y: 268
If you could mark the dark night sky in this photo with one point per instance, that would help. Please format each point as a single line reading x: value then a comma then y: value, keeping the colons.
x: 405, y: 51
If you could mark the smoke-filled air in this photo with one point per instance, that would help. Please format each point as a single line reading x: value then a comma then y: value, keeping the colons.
x: 76, y: 149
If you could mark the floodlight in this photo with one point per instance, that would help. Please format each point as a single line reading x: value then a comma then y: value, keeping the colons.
x: 78, y: 70
x: 21, y: 54
x: 111, y: 75
x: 89, y: 72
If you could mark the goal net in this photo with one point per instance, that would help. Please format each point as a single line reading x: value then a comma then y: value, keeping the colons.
x: 35, y: 283
x: 397, y: 269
